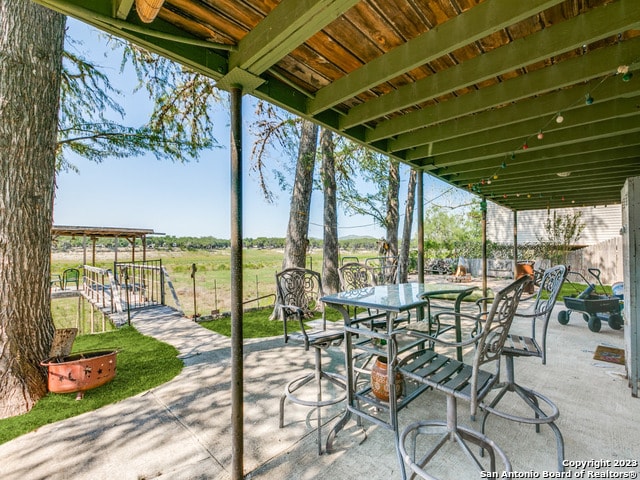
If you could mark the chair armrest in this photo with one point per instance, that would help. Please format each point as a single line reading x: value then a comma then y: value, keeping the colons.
x: 534, y: 314
x: 299, y: 313
x: 484, y: 299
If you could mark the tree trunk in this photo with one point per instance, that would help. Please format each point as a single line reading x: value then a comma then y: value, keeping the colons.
x: 296, y: 243
x: 391, y: 219
x: 31, y: 42
x: 330, y: 277
x: 403, y: 260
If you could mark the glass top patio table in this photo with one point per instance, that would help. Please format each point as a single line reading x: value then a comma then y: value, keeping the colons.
x: 391, y: 299
x: 397, y: 297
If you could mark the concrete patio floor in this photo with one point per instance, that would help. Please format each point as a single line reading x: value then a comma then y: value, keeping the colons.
x: 181, y: 430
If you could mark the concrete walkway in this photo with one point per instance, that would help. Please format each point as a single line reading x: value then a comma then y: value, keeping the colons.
x: 181, y: 430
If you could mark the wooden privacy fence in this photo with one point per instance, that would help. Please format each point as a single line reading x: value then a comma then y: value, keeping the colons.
x: 606, y: 256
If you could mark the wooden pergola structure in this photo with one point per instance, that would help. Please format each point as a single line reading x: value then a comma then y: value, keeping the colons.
x: 93, y: 233
x: 531, y: 104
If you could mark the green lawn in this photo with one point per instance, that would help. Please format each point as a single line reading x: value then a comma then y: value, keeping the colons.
x: 256, y: 323
x: 142, y: 363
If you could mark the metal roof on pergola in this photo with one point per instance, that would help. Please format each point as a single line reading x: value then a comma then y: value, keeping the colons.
x: 93, y: 233
x: 100, y: 232
x: 460, y: 89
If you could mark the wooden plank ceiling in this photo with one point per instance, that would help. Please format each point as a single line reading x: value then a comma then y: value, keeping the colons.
x: 469, y: 91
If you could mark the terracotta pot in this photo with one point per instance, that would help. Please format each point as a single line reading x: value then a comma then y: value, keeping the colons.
x: 525, y: 268
x: 379, y: 382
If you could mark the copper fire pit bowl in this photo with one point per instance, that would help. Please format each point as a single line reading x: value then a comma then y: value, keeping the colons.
x: 80, y: 371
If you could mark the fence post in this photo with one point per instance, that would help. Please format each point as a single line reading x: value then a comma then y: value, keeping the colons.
x: 162, y: 291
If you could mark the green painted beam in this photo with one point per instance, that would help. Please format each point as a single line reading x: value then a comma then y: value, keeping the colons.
x: 455, y: 119
x: 569, y: 201
x: 97, y: 13
x: 123, y: 7
x: 479, y: 22
x: 629, y: 155
x: 571, y: 152
x: 598, y: 180
x: 594, y: 25
x: 556, y: 138
x: 205, y: 61
x: 288, y: 26
x: 610, y: 194
x: 526, y: 131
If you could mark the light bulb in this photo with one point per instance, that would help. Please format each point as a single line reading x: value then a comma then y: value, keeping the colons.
x: 559, y: 118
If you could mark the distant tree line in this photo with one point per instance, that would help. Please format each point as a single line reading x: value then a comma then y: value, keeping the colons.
x: 448, y: 235
x: 209, y: 243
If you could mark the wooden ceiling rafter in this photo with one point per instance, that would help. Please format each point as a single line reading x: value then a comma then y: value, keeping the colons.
x: 448, y: 86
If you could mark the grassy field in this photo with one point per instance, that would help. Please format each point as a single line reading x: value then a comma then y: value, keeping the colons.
x: 212, y: 280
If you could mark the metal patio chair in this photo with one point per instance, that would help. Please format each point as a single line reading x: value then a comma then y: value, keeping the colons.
x: 460, y: 380
x: 298, y: 296
x: 355, y: 275
x: 533, y: 346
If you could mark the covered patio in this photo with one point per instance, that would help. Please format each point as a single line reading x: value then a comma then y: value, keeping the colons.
x: 180, y: 431
x: 532, y: 105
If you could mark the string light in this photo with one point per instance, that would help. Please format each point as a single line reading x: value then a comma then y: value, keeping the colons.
x: 624, y: 71
x: 559, y: 118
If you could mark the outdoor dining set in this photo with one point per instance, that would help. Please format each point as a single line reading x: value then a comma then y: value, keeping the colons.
x: 401, y: 341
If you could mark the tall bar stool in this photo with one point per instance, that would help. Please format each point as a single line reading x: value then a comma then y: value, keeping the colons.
x: 299, y: 292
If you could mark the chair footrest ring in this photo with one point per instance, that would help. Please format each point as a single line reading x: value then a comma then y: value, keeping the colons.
x: 460, y: 434
x: 531, y: 397
x: 299, y: 382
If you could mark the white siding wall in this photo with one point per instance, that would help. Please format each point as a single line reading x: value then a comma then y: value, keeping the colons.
x: 602, y: 223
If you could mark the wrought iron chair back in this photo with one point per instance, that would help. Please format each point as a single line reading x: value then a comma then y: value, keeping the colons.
x: 356, y: 275
x: 385, y: 268
x: 550, y: 285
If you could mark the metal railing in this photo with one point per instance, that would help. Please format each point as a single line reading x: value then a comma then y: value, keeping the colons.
x: 128, y: 286
x: 99, y: 287
x: 141, y: 283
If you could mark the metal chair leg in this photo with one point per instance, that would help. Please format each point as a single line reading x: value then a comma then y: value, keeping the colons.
x: 318, y: 375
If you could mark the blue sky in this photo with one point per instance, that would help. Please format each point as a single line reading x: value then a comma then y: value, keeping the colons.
x: 178, y: 199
